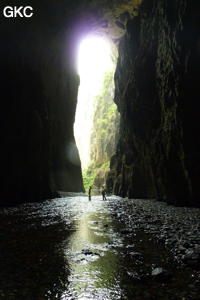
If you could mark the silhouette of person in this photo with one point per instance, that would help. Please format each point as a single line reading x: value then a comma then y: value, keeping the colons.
x: 103, y: 192
x: 89, y: 192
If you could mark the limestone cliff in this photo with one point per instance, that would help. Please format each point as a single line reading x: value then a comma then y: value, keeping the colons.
x: 105, y: 131
x: 157, y: 90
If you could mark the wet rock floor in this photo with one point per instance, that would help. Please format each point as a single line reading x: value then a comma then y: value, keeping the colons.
x: 72, y: 248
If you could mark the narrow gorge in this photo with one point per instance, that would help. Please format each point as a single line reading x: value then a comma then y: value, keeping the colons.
x: 156, y: 92
x: 136, y: 147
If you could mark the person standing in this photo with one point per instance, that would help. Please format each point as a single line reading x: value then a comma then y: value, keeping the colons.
x: 103, y: 192
x: 89, y: 192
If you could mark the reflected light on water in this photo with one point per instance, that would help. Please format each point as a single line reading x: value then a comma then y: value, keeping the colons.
x: 90, y: 257
x: 71, y: 248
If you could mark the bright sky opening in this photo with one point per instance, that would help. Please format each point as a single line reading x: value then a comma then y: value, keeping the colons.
x: 94, y: 59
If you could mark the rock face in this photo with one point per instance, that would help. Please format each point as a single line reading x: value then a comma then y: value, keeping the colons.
x: 157, y: 90
x: 38, y: 100
x: 104, y: 135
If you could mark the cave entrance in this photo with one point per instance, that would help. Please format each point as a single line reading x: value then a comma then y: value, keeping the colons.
x: 96, y: 66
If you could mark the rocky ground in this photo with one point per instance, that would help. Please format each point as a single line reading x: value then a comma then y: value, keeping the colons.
x: 177, y: 227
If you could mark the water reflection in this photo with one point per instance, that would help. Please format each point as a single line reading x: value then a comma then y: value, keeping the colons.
x: 72, y: 248
x: 90, y: 255
x: 32, y: 264
x: 60, y: 249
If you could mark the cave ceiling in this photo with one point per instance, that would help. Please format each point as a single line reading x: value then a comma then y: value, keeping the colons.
x: 110, y: 17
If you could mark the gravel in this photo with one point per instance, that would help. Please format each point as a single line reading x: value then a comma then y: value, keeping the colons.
x: 178, y: 228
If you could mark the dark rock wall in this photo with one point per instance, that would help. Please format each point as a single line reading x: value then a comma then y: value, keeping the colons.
x: 39, y: 86
x: 157, y: 93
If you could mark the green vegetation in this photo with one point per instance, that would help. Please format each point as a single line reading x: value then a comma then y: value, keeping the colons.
x: 104, y: 135
x: 88, y: 179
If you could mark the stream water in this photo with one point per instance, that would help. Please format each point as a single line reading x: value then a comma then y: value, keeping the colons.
x: 72, y: 248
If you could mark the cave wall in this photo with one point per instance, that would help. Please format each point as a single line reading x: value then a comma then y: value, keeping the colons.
x: 39, y: 87
x: 157, y: 91
x: 104, y: 135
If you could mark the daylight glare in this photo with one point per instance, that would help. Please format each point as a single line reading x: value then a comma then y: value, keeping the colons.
x: 94, y: 59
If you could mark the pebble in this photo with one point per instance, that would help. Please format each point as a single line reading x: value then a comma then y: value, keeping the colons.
x: 161, y: 274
